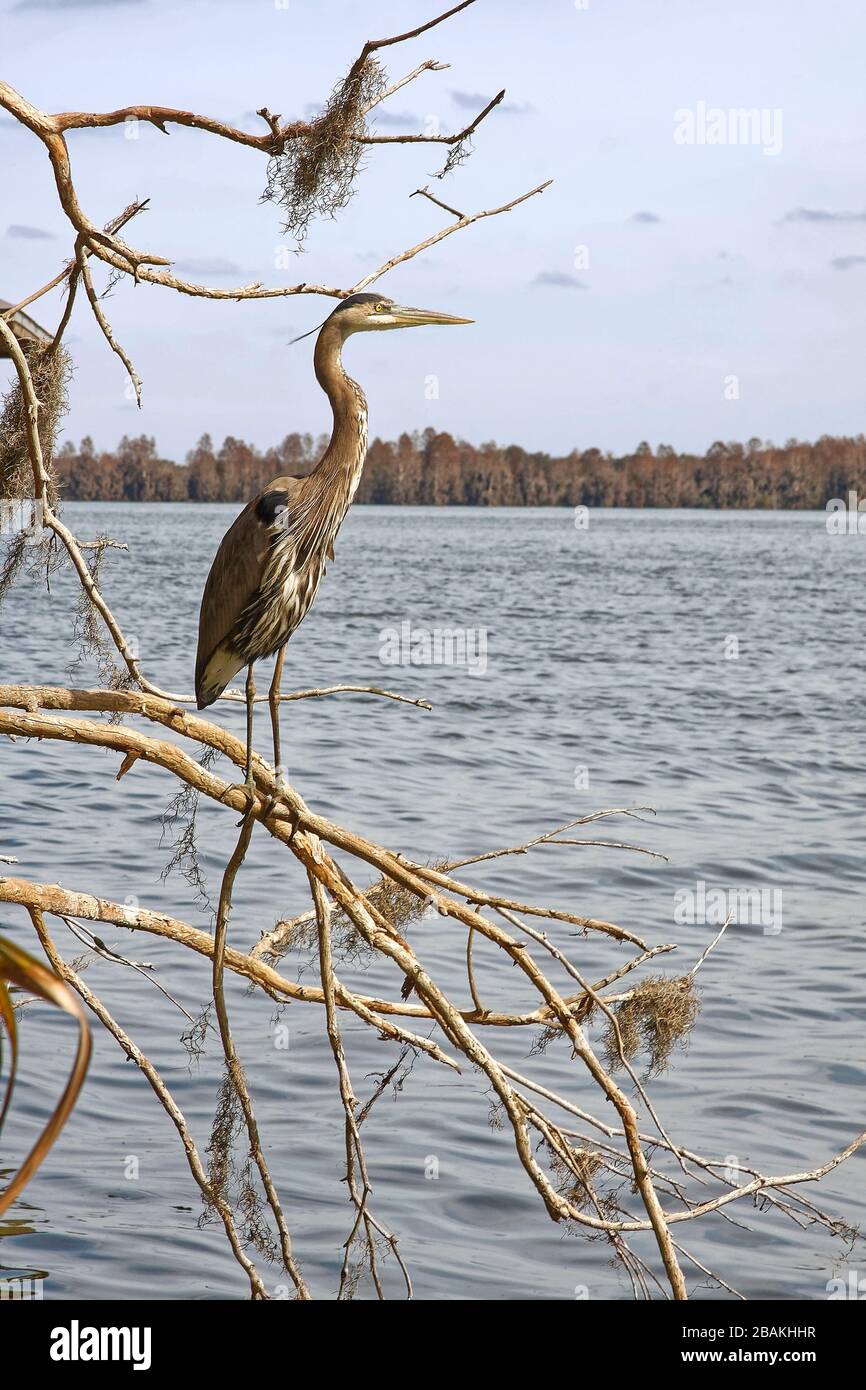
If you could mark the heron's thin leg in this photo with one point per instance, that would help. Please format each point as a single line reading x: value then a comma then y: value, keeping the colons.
x: 251, y: 700
x: 280, y: 779
x: 249, y: 785
x: 274, y: 702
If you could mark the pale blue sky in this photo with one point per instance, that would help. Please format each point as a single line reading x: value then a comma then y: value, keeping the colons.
x: 700, y: 265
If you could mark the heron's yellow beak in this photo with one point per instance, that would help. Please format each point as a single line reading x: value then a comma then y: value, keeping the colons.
x: 411, y: 318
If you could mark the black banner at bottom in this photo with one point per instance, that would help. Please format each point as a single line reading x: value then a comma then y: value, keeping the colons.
x: 63, y: 1339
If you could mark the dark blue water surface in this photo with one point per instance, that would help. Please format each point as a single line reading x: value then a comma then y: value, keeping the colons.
x: 609, y: 649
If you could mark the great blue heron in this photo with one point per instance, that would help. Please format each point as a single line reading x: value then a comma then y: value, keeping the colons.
x: 272, y: 558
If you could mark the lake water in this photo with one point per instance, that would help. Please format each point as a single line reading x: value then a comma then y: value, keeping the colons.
x: 709, y: 665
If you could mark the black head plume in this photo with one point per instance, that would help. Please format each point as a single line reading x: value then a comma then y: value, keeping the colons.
x: 348, y: 303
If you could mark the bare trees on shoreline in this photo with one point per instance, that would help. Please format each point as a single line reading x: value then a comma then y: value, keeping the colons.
x: 432, y: 468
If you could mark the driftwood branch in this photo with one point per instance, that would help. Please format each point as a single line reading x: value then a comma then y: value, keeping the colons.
x: 106, y: 245
x: 163, y: 1095
x: 307, y: 843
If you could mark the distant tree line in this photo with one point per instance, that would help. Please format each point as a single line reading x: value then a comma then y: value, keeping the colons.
x: 435, y: 469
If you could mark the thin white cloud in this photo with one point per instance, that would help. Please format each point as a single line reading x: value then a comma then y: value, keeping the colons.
x: 819, y: 215
x: 74, y: 4
x: 559, y: 279
x: 20, y: 229
x: 476, y: 101
x: 207, y: 266
x: 398, y: 120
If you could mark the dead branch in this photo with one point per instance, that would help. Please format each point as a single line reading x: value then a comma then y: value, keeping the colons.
x: 275, y: 141
x: 162, y: 1093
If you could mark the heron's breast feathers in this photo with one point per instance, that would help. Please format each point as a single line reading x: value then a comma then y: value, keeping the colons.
x: 279, y: 604
x: 301, y: 526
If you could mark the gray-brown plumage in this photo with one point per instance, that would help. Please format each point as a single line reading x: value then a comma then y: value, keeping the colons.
x: 272, y: 558
x: 242, y: 618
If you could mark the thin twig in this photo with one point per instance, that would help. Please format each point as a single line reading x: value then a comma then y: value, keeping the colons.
x: 163, y: 1095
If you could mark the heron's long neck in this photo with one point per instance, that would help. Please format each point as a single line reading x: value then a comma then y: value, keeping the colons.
x: 336, y: 478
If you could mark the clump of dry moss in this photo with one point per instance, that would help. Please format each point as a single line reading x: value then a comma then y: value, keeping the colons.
x: 227, y: 1123
x: 397, y: 904
x: 233, y: 1183
x: 574, y: 1177
x: 657, y: 1017
x: 90, y: 634
x: 581, y: 1012
x: 253, y: 1211
x: 574, y: 1174
x: 314, y: 174
x: 15, y: 555
x: 51, y: 371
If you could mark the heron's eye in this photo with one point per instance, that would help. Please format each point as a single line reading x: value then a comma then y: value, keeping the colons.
x: 379, y: 308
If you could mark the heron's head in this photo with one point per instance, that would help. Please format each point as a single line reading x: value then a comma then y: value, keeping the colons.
x: 362, y: 313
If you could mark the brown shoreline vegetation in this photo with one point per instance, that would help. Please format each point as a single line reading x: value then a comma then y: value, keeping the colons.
x: 432, y: 468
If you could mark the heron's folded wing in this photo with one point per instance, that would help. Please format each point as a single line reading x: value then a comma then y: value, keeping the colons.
x: 239, y: 563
